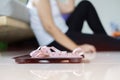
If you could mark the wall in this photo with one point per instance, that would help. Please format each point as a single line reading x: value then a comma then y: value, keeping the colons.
x: 108, y: 11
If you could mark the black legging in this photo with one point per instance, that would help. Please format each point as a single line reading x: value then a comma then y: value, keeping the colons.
x: 86, y: 11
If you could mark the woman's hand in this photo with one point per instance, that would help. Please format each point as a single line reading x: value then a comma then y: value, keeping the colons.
x: 87, y: 48
x: 89, y: 52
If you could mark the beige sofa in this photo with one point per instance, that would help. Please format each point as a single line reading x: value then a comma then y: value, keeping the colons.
x: 12, y: 30
x: 14, y: 21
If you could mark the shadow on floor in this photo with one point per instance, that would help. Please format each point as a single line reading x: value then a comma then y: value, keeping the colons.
x: 29, y: 44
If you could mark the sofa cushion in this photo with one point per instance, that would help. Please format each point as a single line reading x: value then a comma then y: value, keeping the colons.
x: 12, y: 30
x: 14, y: 9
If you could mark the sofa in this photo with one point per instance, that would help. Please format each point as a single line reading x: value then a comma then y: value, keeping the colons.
x: 14, y: 21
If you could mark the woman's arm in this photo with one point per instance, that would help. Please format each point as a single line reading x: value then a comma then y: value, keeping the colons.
x: 66, y: 6
x: 44, y: 11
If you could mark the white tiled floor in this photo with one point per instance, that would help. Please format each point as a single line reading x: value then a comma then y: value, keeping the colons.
x: 105, y: 66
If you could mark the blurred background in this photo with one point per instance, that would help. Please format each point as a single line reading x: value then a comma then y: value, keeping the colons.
x: 14, y: 24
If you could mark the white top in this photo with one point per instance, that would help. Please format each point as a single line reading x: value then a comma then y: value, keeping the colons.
x: 42, y: 36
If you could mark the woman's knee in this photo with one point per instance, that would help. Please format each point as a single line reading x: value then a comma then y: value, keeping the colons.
x: 85, y: 3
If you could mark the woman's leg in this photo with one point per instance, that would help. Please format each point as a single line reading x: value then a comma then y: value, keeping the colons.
x: 85, y: 11
x: 100, y: 41
x: 58, y: 46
